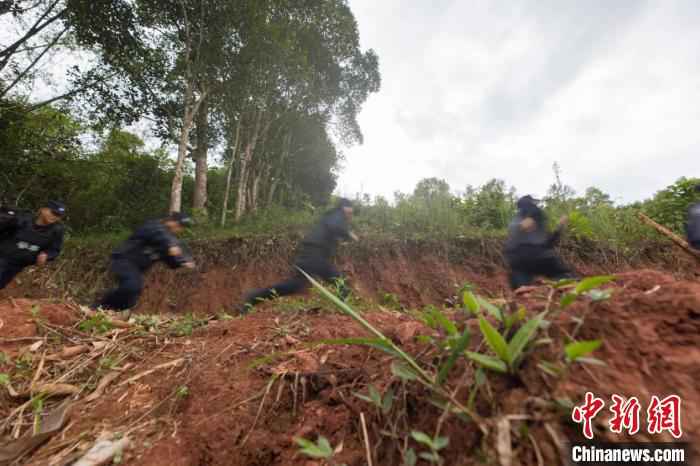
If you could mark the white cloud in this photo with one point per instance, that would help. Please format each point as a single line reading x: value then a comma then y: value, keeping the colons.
x: 476, y: 90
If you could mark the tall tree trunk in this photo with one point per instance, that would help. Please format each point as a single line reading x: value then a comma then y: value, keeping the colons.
x: 191, y: 109
x: 254, y: 192
x: 246, y: 158
x: 274, y: 182
x: 200, y: 155
x: 229, y: 175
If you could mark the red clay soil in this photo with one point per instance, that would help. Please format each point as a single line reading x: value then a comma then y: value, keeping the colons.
x: 651, y: 334
x: 17, y: 317
x: 418, y: 272
x: 651, y: 338
x: 255, y: 382
x: 416, y: 279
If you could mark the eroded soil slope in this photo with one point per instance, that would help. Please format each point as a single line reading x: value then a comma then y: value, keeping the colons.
x: 187, y: 391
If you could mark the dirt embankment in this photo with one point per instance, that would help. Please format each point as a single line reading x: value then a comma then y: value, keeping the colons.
x: 417, y: 272
x: 242, y: 389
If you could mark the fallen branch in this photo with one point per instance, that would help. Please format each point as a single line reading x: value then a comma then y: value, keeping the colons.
x: 69, y: 352
x: 104, y: 383
x: 174, y: 363
x: 365, y: 436
x: 53, y: 389
x: 671, y: 235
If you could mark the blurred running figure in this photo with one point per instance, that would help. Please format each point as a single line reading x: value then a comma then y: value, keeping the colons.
x: 693, y: 226
x: 315, y: 256
x: 26, y: 240
x: 530, y: 250
x: 155, y: 241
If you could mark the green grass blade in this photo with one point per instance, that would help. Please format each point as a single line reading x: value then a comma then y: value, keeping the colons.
x: 470, y: 302
x: 388, y: 401
x: 494, y: 340
x: 422, y: 438
x: 425, y: 378
x: 593, y: 282
x: 375, y: 343
x: 488, y: 362
x: 567, y: 300
x: 459, y: 347
x: 523, y: 336
x: 402, y: 371
x: 579, y: 349
x: 447, y: 325
x: 491, y: 309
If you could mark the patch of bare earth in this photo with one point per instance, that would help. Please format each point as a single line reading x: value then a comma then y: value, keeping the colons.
x: 237, y: 392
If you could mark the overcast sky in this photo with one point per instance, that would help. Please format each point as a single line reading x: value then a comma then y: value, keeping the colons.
x: 473, y: 90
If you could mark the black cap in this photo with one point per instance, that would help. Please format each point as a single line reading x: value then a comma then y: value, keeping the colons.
x: 181, y: 218
x: 57, y: 208
x: 527, y: 201
x: 344, y: 202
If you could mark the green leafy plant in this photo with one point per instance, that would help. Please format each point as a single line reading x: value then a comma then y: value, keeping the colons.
x: 578, y: 351
x: 508, y: 354
x: 575, y: 352
x: 24, y: 364
x: 149, y: 322
x: 98, y: 323
x: 37, y: 404
x: 474, y: 304
x: 391, y: 301
x: 321, y: 449
x: 457, y: 345
x: 182, y: 391
x: 410, y: 458
x: 433, y: 444
x: 186, y: 325
x: 404, y: 366
x: 382, y: 403
x: 587, y: 286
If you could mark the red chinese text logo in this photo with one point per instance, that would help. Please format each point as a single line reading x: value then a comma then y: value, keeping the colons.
x: 662, y: 415
x: 586, y: 413
x: 665, y: 415
x: 625, y: 415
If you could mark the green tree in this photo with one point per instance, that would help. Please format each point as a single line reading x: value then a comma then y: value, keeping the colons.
x: 38, y: 148
x: 492, y: 206
x: 670, y: 205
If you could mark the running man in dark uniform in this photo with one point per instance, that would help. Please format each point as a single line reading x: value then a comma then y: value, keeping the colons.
x: 315, y: 256
x: 155, y: 241
x: 530, y: 249
x: 25, y: 240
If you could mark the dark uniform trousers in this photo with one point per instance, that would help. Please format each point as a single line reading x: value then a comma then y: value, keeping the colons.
x: 8, y: 271
x: 130, y: 285
x: 527, y: 263
x: 313, y: 262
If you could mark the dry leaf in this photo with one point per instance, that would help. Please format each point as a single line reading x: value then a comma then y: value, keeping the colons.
x: 104, y: 383
x: 102, y: 452
x: 35, y: 346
